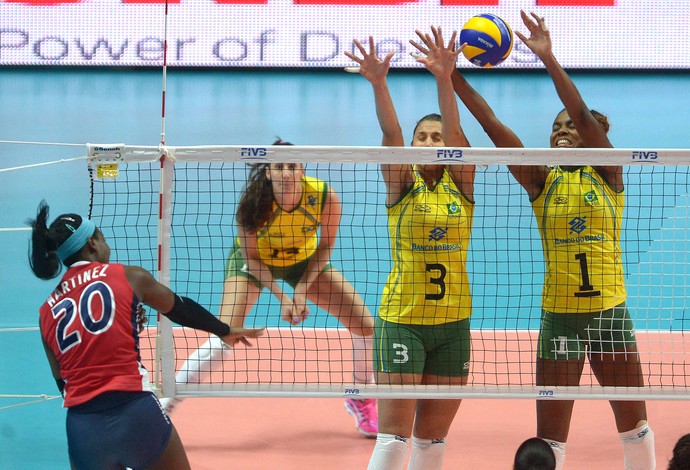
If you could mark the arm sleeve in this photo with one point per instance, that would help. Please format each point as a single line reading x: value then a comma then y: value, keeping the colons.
x: 187, y: 312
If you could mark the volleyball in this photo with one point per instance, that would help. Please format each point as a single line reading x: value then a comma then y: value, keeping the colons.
x: 489, y: 40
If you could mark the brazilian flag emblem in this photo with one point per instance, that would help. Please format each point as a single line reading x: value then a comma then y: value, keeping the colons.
x: 591, y: 198
x: 453, y: 208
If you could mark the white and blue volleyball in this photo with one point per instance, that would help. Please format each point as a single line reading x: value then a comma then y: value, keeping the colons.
x: 489, y: 40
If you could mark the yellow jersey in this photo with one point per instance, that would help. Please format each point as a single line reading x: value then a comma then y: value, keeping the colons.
x: 288, y: 238
x: 430, y: 234
x: 579, y: 217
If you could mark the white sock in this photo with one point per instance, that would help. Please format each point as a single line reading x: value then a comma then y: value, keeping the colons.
x: 558, y: 449
x: 638, y: 448
x: 363, y: 368
x: 390, y: 453
x: 199, y: 365
x: 427, y: 454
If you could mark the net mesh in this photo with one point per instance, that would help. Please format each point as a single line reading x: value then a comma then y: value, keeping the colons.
x: 505, y: 264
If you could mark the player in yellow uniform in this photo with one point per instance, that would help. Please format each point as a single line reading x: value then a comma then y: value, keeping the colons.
x: 287, y: 227
x: 579, y: 211
x: 422, y: 333
x: 579, y: 217
x: 430, y: 232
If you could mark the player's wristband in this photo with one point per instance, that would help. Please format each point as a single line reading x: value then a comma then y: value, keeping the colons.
x: 61, y: 386
x: 186, y: 312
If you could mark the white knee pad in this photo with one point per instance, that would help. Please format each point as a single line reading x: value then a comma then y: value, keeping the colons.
x: 390, y: 453
x: 427, y: 454
x: 558, y: 449
x: 638, y: 448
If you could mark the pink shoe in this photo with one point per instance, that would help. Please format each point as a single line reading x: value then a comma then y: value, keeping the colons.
x: 364, y: 412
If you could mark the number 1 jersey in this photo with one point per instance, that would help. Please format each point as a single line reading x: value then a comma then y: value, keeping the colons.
x: 579, y: 218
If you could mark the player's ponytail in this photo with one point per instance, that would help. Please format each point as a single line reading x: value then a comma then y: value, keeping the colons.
x: 43, y: 256
x: 256, y: 202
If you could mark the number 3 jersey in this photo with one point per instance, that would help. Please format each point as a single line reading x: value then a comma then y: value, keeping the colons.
x: 579, y: 217
x: 430, y: 234
x: 89, y: 322
x: 291, y: 237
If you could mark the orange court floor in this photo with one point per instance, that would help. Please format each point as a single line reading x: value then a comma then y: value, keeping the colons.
x: 317, y: 433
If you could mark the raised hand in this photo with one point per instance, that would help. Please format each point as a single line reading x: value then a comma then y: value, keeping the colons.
x: 539, y: 41
x: 438, y: 58
x: 370, y: 66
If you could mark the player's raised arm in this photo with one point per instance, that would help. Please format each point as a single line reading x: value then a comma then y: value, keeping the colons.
x: 539, y: 42
x: 589, y: 126
x: 375, y: 70
x: 440, y: 59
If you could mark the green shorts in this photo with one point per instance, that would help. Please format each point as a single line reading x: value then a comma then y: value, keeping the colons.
x: 442, y: 350
x: 572, y: 335
x: 236, y: 266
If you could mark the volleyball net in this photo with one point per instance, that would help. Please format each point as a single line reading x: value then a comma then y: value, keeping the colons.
x: 172, y: 211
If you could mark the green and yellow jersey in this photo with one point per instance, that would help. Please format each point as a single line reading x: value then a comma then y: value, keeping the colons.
x: 291, y: 237
x: 430, y: 234
x: 579, y: 217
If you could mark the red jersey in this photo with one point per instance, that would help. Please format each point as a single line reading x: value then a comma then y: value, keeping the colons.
x: 89, y: 322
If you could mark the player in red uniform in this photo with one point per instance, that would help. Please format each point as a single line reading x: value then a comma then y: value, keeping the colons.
x: 89, y: 327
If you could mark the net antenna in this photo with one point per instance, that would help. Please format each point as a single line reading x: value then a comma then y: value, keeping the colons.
x: 505, y: 262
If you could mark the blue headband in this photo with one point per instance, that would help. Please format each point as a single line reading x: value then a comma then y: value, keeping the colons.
x: 77, y: 240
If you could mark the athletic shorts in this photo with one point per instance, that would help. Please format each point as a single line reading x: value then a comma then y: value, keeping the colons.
x: 572, y: 335
x: 236, y: 266
x: 442, y: 350
x: 117, y: 429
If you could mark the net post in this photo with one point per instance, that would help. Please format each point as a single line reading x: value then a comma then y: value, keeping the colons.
x: 165, y: 350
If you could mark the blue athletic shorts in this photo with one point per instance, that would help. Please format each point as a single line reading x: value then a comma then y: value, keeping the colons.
x: 116, y: 430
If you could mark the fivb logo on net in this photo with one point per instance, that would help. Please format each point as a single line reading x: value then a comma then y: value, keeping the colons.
x: 449, y: 154
x: 645, y: 155
x: 253, y: 153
